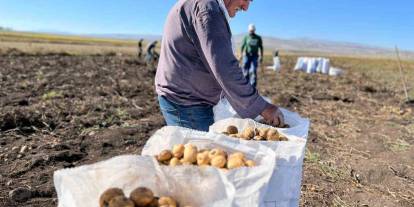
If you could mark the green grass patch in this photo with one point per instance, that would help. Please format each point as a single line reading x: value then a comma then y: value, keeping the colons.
x: 399, y: 146
x: 312, y: 157
x: 52, y: 94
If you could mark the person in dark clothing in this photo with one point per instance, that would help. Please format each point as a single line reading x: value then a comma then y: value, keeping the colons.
x: 140, y: 48
x: 151, y: 55
x: 251, y: 45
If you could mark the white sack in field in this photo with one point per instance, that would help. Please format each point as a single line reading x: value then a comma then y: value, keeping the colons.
x: 285, y: 184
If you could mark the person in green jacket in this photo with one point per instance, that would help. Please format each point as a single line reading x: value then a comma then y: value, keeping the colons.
x: 251, y: 45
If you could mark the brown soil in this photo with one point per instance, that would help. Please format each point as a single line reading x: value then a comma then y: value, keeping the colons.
x: 59, y: 111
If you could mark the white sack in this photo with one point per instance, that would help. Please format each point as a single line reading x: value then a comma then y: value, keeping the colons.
x: 82, y: 186
x: 335, y: 72
x: 250, y: 182
x: 285, y: 184
x: 326, y: 65
x: 311, y: 65
x: 276, y: 64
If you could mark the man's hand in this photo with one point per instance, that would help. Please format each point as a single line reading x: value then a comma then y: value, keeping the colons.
x: 261, y: 59
x: 240, y: 58
x: 273, y: 116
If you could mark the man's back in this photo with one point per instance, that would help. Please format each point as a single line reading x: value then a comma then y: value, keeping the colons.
x: 252, y: 43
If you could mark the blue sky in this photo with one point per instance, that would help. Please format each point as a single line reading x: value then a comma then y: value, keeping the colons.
x: 374, y: 22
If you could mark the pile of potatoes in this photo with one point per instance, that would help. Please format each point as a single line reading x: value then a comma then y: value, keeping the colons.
x: 258, y: 134
x: 140, y: 197
x: 189, y: 155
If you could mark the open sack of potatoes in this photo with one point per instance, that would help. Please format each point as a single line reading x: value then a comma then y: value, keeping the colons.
x: 298, y: 126
x: 86, y: 186
x: 250, y: 182
x: 284, y: 186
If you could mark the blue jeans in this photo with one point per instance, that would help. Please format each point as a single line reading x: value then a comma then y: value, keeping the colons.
x: 250, y: 68
x: 198, y: 117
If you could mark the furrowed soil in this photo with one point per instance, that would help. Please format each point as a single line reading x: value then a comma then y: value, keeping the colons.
x: 60, y: 111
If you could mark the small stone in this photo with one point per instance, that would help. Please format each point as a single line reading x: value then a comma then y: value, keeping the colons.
x: 23, y: 149
x: 9, y: 182
x: 19, y: 156
x: 20, y: 194
x: 14, y: 148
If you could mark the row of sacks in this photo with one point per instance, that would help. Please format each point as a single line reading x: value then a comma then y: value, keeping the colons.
x: 317, y: 65
x: 275, y: 180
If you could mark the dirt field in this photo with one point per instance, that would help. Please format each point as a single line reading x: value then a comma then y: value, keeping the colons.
x: 59, y: 111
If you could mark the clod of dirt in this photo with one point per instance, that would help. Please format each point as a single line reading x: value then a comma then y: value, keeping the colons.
x: 67, y: 156
x: 20, y: 194
x: 369, y: 89
x: 410, y: 102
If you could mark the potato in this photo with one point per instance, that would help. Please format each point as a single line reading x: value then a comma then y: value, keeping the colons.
x: 273, y: 135
x: 235, y: 162
x: 250, y: 163
x: 258, y: 138
x: 141, y: 196
x: 164, y: 155
x: 166, y: 201
x: 202, y: 158
x: 248, y: 133
x: 121, y: 201
x: 174, y: 162
x: 107, y: 195
x: 283, y: 138
x: 232, y: 129
x: 154, y: 203
x: 263, y: 132
x: 239, y: 155
x: 183, y: 162
x: 216, y: 152
x: 190, y: 153
x: 218, y: 161
x: 178, y: 151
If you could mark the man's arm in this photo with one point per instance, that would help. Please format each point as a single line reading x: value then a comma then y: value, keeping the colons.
x: 261, y: 49
x: 243, y: 46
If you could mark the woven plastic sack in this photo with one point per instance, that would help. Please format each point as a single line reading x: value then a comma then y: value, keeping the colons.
x: 250, y: 182
x: 285, y: 184
x: 82, y: 186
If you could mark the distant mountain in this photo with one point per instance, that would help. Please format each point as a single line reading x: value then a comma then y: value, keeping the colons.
x: 325, y: 47
x: 126, y: 36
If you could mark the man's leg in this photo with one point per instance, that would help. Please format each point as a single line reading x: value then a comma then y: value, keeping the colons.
x: 193, y: 117
x: 253, y: 74
x: 246, y: 67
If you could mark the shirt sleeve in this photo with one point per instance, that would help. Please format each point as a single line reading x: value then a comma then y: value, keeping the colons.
x: 215, y: 48
x: 243, y: 45
x: 261, y: 46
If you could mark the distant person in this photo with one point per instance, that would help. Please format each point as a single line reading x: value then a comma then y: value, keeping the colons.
x: 140, y: 48
x: 197, y: 65
x: 251, y: 45
x: 276, y: 62
x: 151, y: 55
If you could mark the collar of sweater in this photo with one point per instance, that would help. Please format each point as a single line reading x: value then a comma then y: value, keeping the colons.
x: 223, y: 7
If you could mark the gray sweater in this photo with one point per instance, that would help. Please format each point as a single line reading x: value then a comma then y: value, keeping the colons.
x: 197, y: 62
